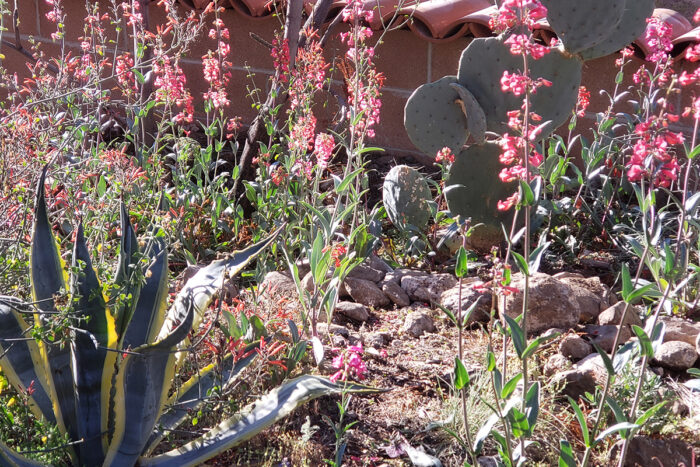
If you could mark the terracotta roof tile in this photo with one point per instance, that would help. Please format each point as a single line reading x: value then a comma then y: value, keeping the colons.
x: 446, y: 20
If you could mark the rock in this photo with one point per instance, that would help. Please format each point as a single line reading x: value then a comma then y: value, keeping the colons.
x: 575, y: 347
x: 354, y: 311
x: 377, y: 339
x: 583, y: 377
x: 556, y: 364
x: 488, y: 461
x: 278, y: 284
x: 450, y: 300
x: 676, y: 355
x: 551, y: 303
x: 375, y: 262
x: 397, y: 274
x: 697, y: 344
x: 307, y: 283
x: 651, y: 451
x: 679, y: 329
x: 395, y: 293
x: 592, y: 295
x: 325, y: 328
x: 365, y: 272
x: 427, y: 288
x: 417, y: 323
x: 613, y: 315
x: 366, y: 292
x: 604, y: 336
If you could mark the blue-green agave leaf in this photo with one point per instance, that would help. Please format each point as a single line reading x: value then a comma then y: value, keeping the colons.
x: 274, y: 406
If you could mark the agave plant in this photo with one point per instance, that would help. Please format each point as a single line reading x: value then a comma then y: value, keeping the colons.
x: 109, y: 388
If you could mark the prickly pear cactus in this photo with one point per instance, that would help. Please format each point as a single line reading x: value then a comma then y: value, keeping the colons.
x: 630, y: 26
x: 434, y: 119
x: 407, y: 198
x: 473, y: 190
x: 480, y: 69
x: 583, y: 24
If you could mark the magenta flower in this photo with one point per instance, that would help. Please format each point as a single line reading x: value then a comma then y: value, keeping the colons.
x: 323, y: 149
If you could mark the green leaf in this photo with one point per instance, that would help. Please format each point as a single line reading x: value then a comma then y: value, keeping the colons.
x: 274, y: 406
x: 21, y: 360
x: 694, y: 371
x: 143, y: 321
x: 461, y: 265
x: 650, y: 412
x: 693, y: 154
x: 483, y: 432
x: 461, y: 375
x: 606, y: 359
x: 566, y: 454
x: 491, y: 361
x: 468, y: 313
x: 536, y: 257
x: 627, y: 286
x: 614, y: 429
x: 620, y: 415
x: 644, y: 341
x: 518, y: 423
x: 535, y: 344
x: 532, y: 404
x: 510, y: 386
x: 48, y: 279
x: 192, y: 395
x: 646, y: 291
x: 581, y: 421
x: 522, y: 264
x: 517, y: 334
x: 528, y: 197
x: 448, y: 313
x: 348, y: 180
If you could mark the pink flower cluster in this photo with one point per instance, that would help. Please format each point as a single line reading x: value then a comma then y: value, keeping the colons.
x: 521, y: 44
x: 349, y: 363
x: 364, y: 86
x: 125, y: 75
x: 171, y: 86
x: 445, y: 156
x: 652, y: 154
x: 217, y: 66
x: 280, y: 57
x: 519, y: 84
x: 323, y: 149
x: 658, y: 36
x: 515, y: 12
x: 355, y: 10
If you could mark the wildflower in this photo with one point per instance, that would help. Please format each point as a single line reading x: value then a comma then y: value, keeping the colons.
x: 302, y: 133
x: 522, y: 44
x: 693, y: 53
x: 658, y: 36
x: 514, y: 12
x: 445, y: 156
x: 349, y: 363
x: 323, y: 149
x: 508, y: 203
x: 583, y: 101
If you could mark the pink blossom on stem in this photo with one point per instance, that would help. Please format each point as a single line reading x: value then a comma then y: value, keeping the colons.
x: 445, y: 156
x: 323, y: 149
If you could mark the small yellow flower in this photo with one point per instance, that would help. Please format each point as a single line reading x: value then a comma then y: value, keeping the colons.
x: 44, y: 439
x: 11, y: 402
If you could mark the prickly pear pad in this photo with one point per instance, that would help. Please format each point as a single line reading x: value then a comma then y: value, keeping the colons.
x: 434, y: 119
x: 482, y: 65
